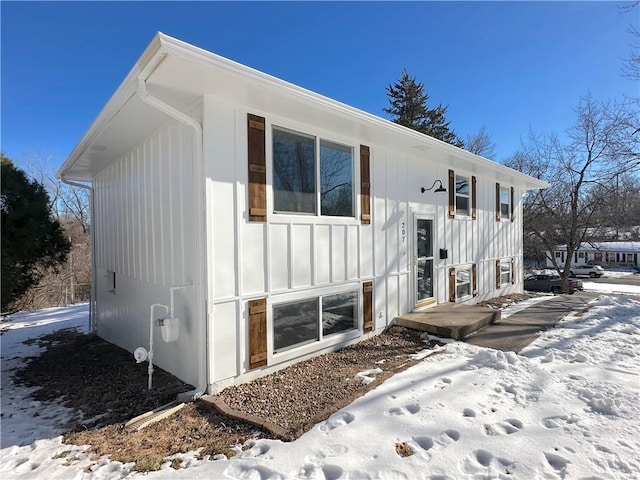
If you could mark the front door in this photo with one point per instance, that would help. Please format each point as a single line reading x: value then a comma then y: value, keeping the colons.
x: 423, y: 262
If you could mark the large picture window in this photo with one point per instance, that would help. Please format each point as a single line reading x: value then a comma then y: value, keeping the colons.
x: 310, y: 320
x: 298, y: 176
x: 462, y: 195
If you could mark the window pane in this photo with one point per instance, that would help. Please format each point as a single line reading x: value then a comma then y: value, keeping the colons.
x: 336, y: 179
x: 425, y: 249
x: 463, y: 290
x: 462, y: 185
x: 505, y: 209
x: 294, y: 323
x: 462, y: 205
x: 339, y: 313
x: 294, y: 185
x: 463, y: 283
x: 504, y: 195
x: 463, y: 276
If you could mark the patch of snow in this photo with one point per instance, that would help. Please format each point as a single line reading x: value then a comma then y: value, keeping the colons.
x: 368, y: 376
x: 611, y: 288
x: 517, y: 307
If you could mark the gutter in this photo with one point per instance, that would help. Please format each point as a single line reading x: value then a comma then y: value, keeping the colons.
x: 93, y: 319
x: 199, y: 218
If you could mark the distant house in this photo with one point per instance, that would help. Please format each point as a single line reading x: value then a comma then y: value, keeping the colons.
x: 266, y: 223
x: 607, y: 254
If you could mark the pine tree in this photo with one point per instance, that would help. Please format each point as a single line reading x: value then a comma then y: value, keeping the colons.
x: 408, y: 107
x: 31, y: 240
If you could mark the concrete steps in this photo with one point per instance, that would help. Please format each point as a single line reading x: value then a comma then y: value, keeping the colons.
x: 451, y: 320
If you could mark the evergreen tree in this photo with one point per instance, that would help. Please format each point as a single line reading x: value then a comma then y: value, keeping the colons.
x: 31, y: 240
x: 408, y: 107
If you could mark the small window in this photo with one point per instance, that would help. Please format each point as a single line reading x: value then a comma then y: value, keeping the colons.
x: 294, y: 180
x: 462, y: 195
x: 463, y: 283
x: 505, y: 272
x: 558, y: 254
x: 505, y: 203
x: 294, y: 324
x: 336, y: 179
x: 111, y: 281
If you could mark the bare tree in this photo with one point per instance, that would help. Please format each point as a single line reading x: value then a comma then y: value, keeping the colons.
x: 70, y: 206
x: 67, y: 202
x: 480, y: 143
x: 600, y: 146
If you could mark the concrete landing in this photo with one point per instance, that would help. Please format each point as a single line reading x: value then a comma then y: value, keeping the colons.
x: 452, y: 320
x: 520, y: 329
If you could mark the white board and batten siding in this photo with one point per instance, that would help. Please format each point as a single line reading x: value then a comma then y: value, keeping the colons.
x: 145, y: 244
x: 292, y: 257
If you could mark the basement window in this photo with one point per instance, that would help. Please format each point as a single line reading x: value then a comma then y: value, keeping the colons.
x: 505, y: 271
x: 310, y: 320
x: 463, y: 283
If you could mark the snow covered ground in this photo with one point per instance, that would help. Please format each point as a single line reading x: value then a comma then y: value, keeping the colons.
x: 567, y: 407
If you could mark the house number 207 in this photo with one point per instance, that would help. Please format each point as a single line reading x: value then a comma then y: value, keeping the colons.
x: 403, y: 231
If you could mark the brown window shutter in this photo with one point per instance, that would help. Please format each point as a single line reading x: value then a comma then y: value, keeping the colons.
x: 365, y: 185
x: 497, y: 202
x: 257, y: 332
x: 452, y: 194
x: 367, y: 304
x: 473, y: 198
x: 497, y: 273
x: 512, y: 197
x: 452, y: 284
x: 474, y: 280
x: 513, y: 270
x: 257, y: 168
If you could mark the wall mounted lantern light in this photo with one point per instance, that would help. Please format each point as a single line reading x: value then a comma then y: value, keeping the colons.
x: 437, y: 190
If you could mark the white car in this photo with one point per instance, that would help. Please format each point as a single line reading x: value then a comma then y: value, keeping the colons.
x: 594, y: 271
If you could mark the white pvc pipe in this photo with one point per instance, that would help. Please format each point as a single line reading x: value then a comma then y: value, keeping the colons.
x: 199, y: 217
x: 150, y: 354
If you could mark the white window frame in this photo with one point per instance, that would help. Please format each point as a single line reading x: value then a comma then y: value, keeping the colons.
x: 507, y: 262
x: 469, y: 269
x: 505, y: 217
x: 467, y: 178
x: 318, y: 140
x: 301, y: 348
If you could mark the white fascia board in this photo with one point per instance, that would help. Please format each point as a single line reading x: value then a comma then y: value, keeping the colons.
x: 163, y: 44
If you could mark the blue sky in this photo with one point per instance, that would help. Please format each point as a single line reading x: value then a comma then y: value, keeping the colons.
x: 511, y: 66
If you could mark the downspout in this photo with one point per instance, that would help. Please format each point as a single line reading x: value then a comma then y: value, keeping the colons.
x: 93, y: 319
x: 199, y: 220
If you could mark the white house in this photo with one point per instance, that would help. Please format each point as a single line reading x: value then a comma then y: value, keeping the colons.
x: 607, y: 254
x: 274, y: 223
